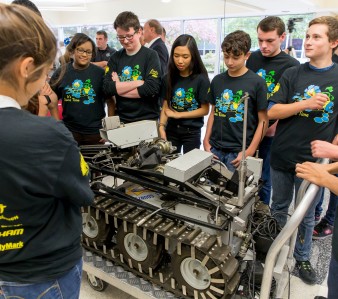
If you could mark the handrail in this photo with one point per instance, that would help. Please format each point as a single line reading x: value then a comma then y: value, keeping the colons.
x: 288, y: 230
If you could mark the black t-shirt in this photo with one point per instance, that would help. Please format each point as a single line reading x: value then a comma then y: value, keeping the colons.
x: 270, y: 68
x: 187, y: 95
x: 103, y: 55
x: 43, y: 184
x: 82, y: 97
x: 225, y: 92
x: 144, y: 65
x: 294, y: 134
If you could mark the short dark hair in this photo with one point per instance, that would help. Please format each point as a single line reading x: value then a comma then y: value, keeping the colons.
x: 237, y: 43
x: 102, y: 32
x: 79, y: 39
x: 272, y: 23
x: 29, y: 4
x: 127, y: 19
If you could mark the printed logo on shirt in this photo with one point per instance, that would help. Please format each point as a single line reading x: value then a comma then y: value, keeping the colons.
x: 80, y: 90
x: 230, y: 105
x: 327, y: 109
x: 184, y: 100
x: 153, y: 73
x: 83, y: 166
x: 9, y: 228
x: 130, y: 74
x: 269, y: 79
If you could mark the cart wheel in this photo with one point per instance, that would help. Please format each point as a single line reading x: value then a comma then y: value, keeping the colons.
x: 96, y: 283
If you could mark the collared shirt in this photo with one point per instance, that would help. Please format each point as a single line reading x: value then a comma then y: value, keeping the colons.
x: 8, y: 102
x: 148, y: 45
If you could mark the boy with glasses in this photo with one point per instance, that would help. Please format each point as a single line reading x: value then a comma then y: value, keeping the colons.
x: 133, y: 73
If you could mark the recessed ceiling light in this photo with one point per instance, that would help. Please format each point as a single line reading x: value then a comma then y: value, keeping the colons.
x: 165, y: 1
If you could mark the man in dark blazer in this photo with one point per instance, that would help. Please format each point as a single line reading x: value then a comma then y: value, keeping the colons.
x: 152, y: 32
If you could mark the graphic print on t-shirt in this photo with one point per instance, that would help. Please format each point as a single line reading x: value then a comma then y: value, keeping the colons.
x: 184, y: 100
x: 269, y: 79
x: 311, y: 91
x: 130, y: 74
x: 10, y: 228
x: 230, y: 105
x: 80, y: 90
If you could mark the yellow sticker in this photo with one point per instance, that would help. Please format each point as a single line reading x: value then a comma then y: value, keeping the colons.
x: 84, y: 166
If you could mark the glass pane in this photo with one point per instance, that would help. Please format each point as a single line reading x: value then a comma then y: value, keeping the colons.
x: 112, y: 41
x: 205, y: 33
x: 90, y: 31
x: 69, y: 31
x: 173, y: 30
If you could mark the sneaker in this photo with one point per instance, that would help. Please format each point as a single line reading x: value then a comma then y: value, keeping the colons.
x: 322, y: 230
x: 319, y: 297
x: 306, y: 272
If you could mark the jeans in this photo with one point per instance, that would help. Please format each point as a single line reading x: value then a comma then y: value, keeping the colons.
x: 186, y: 137
x: 332, y: 279
x: 264, y: 153
x: 283, y: 185
x: 331, y: 209
x: 64, y: 287
x: 225, y: 157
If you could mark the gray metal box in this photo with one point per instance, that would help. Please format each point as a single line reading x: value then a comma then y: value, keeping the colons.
x: 185, y: 167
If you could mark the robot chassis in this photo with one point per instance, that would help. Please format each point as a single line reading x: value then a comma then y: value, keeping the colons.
x: 179, y: 221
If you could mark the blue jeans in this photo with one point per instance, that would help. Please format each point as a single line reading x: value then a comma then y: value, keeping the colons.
x: 264, y: 153
x: 65, y: 287
x: 225, y: 157
x: 333, y: 279
x: 283, y: 185
x: 188, y: 138
x: 331, y: 209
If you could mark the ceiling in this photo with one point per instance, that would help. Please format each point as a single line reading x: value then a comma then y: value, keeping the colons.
x: 101, y: 11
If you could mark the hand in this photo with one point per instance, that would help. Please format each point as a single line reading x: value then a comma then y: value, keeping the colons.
x: 323, y: 149
x: 313, y: 172
x: 237, y: 161
x: 317, y: 101
x: 115, y: 77
x: 207, y: 145
x: 46, y: 90
x: 162, y: 132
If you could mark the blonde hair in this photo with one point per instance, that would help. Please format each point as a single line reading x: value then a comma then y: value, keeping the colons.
x: 23, y: 34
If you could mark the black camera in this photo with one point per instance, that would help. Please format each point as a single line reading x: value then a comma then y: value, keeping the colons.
x: 291, y: 23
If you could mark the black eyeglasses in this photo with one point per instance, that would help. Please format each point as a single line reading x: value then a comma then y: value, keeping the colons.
x: 81, y: 51
x: 121, y: 38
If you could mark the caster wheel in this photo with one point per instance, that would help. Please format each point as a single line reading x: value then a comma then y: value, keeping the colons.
x: 96, y: 283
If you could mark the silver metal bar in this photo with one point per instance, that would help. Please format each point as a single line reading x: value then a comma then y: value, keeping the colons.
x: 243, y: 164
x: 288, y: 230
